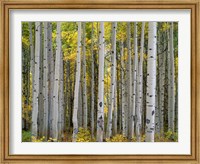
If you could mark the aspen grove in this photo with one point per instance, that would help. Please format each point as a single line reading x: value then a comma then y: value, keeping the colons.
x: 99, y: 81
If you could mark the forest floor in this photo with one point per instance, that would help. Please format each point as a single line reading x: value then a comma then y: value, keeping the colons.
x: 85, y: 136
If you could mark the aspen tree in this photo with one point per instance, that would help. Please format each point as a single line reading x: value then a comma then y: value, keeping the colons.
x: 77, y: 85
x: 61, y: 101
x: 36, y: 80
x: 172, y: 91
x: 100, y: 112
x: 45, y: 82
x: 85, y: 107
x: 140, y: 86
x: 113, y: 82
x: 129, y: 85
x: 55, y: 103
x: 92, y: 84
x: 135, y: 71
x: 151, y: 83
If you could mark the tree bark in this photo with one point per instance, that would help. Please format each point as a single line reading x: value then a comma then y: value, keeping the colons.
x: 135, y: 111
x: 100, y: 112
x: 129, y: 85
x: 85, y: 107
x: 51, y: 76
x: 92, y: 85
x: 36, y: 81
x: 113, y: 82
x: 55, y: 104
x: 45, y: 83
x: 61, y: 116
x: 77, y: 85
x: 140, y: 87
x: 151, y: 83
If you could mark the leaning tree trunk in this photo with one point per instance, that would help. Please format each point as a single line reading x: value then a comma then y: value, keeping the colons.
x: 84, y: 82
x: 151, y: 83
x: 36, y: 81
x: 100, y: 112
x: 140, y: 87
x: 55, y: 104
x: 45, y: 82
x: 77, y: 85
x: 135, y: 111
x: 113, y: 82
x: 129, y: 85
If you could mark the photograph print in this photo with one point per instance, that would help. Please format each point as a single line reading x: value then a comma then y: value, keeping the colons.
x: 99, y: 81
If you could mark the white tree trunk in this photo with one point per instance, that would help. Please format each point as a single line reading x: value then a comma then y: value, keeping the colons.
x: 151, y: 83
x: 80, y: 107
x: 77, y: 84
x: 129, y: 85
x: 135, y: 71
x: 172, y: 91
x: 84, y: 81
x: 100, y: 112
x: 51, y: 78
x: 55, y: 104
x: 123, y: 97
x: 61, y: 116
x: 45, y: 82
x: 36, y: 80
x: 113, y: 81
x: 140, y: 86
x: 40, y: 100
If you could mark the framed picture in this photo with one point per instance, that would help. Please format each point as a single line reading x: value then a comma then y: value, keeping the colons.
x: 103, y: 81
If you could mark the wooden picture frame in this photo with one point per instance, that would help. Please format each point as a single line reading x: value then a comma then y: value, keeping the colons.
x: 7, y: 5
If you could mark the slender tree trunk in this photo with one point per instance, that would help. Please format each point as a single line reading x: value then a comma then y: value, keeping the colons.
x: 123, y: 94
x: 172, y: 105
x: 45, y: 83
x: 140, y: 87
x: 134, y: 117
x: 77, y: 85
x: 129, y: 85
x: 171, y: 96
x: 159, y: 82
x: 80, y: 107
x: 115, y: 113
x: 61, y: 116
x: 100, y: 113
x: 69, y: 96
x: 51, y: 78
x: 36, y: 81
x: 40, y: 101
x: 56, y: 84
x: 151, y: 83
x: 85, y: 107
x: 162, y: 85
x: 92, y: 85
x: 113, y: 81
